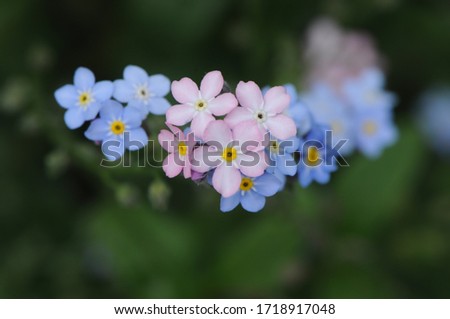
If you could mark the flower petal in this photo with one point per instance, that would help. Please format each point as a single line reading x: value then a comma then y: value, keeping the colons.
x: 248, y: 136
x: 97, y: 131
x: 83, y: 79
x: 74, y: 118
x: 253, y: 164
x: 66, y: 96
x: 123, y: 91
x: 204, y: 158
x: 103, y: 90
x: 131, y: 117
x: 218, y: 132
x: 91, y: 111
x: 200, y: 122
x: 211, y: 85
x: 135, y: 74
x: 180, y: 114
x: 249, y: 95
x: 229, y: 203
x: 185, y: 90
x: 136, y: 139
x: 253, y: 202
x: 158, y: 105
x: 172, y: 165
x: 167, y: 140
x: 159, y: 85
x: 113, y: 148
x: 239, y: 115
x: 267, y: 184
x: 281, y: 126
x: 111, y: 110
x: 223, y: 104
x: 286, y: 164
x: 276, y: 100
x: 226, y: 180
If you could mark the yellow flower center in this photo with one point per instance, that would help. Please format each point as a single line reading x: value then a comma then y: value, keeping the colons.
x: 182, y: 148
x: 274, y: 146
x: 246, y: 184
x: 370, y: 127
x: 313, y: 156
x: 117, y: 127
x: 200, y: 105
x: 84, y: 99
x: 229, y: 154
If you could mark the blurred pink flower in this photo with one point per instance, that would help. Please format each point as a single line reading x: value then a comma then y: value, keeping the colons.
x: 180, y: 147
x: 230, y: 152
x: 199, y: 106
x: 263, y: 112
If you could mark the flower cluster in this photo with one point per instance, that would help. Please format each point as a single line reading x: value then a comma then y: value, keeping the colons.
x: 116, y: 126
x: 243, y: 144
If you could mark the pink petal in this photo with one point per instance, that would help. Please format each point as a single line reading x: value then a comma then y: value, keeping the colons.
x: 176, y: 131
x: 222, y: 104
x: 200, y: 122
x: 281, y: 126
x: 211, y: 85
x: 248, y: 136
x: 218, y: 132
x: 253, y: 164
x: 187, y: 168
x: 226, y: 180
x: 167, y: 140
x: 239, y: 115
x: 180, y: 114
x: 249, y: 95
x: 172, y: 166
x: 204, y: 158
x: 276, y: 100
x: 185, y: 90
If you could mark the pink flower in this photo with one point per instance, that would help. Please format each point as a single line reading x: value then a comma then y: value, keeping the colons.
x: 265, y: 112
x: 230, y: 152
x: 180, y: 149
x: 199, y: 106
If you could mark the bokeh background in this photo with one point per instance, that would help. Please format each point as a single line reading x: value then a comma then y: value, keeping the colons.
x: 71, y: 229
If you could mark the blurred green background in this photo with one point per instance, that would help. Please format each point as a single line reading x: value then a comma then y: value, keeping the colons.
x: 71, y: 229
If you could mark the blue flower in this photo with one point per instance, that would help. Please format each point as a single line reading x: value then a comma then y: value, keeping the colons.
x: 118, y: 128
x: 298, y: 111
x: 83, y: 99
x: 367, y: 91
x: 252, y: 194
x: 433, y: 118
x: 329, y: 110
x: 316, y: 163
x: 375, y: 130
x: 282, y: 161
x: 144, y: 92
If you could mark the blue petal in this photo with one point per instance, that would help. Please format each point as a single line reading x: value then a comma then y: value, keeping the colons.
x: 292, y: 91
x: 135, y: 74
x: 140, y: 106
x: 66, y: 96
x: 132, y: 117
x: 229, y: 203
x: 321, y: 176
x: 113, y: 148
x: 267, y: 184
x: 290, y: 145
x: 158, y: 105
x: 159, y: 85
x: 304, y: 175
x: 137, y: 139
x: 83, y: 79
x: 123, y: 91
x: 97, y: 131
x: 103, y: 90
x: 286, y: 164
x: 111, y: 110
x: 91, y: 111
x: 252, y: 201
x: 74, y: 118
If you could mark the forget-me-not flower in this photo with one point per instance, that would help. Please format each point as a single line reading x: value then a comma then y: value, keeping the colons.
x: 83, y: 99
x: 118, y: 128
x: 141, y: 91
x: 252, y: 193
x: 282, y: 162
